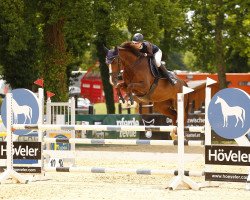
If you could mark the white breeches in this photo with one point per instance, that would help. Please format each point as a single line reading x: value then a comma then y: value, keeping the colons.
x: 158, y: 56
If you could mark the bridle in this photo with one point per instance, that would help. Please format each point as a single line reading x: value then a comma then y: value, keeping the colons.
x: 117, y: 75
x: 119, y: 72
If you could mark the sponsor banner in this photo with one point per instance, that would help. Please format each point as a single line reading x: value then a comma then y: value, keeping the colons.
x: 196, y: 119
x: 155, y: 120
x: 24, y: 169
x: 144, y: 120
x: 128, y: 122
x: 194, y: 136
x: 99, y: 134
x: 227, y: 155
x: 22, y: 150
x: 227, y: 177
x: 120, y: 120
x: 60, y: 146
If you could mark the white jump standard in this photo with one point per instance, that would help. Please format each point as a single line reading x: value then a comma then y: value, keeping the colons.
x: 181, y: 175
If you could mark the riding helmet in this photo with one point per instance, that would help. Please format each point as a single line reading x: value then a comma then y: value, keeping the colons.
x: 138, y: 37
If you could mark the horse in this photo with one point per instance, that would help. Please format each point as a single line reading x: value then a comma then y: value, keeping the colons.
x: 17, y: 110
x: 138, y: 80
x: 227, y: 111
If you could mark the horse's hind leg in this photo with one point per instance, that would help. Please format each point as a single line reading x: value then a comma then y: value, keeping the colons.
x: 242, y: 121
x: 166, y: 108
x: 237, y: 120
x: 25, y: 118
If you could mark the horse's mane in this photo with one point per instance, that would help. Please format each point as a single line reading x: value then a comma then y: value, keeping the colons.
x: 128, y: 45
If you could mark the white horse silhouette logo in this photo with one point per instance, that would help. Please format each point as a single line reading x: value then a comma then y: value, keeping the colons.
x: 227, y: 111
x: 17, y: 110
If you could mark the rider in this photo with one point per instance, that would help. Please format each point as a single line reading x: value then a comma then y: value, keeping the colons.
x: 152, y: 50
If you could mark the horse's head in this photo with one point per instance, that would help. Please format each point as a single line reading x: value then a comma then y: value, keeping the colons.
x: 120, y: 57
x: 218, y: 100
x: 115, y: 70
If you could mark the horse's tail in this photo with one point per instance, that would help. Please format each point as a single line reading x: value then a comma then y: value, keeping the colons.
x: 30, y: 111
x: 243, y: 114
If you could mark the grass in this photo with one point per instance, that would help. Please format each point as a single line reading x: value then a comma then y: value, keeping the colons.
x: 100, y: 108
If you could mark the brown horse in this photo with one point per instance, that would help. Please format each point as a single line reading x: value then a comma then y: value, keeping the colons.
x: 138, y: 80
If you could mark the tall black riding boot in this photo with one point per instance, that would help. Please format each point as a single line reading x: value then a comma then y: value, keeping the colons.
x: 168, y: 75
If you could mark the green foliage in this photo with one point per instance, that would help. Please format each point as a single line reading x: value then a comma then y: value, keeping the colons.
x: 49, y: 38
x: 201, y: 29
x: 160, y: 22
x: 141, y: 19
x: 189, y: 60
x: 19, y: 42
x: 79, y: 32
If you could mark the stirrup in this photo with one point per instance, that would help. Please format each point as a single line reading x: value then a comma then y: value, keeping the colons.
x: 172, y: 81
x: 171, y: 78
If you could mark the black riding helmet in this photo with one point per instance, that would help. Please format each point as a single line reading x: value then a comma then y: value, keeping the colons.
x: 138, y: 37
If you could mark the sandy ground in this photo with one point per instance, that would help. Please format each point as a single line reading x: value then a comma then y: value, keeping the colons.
x: 86, y: 186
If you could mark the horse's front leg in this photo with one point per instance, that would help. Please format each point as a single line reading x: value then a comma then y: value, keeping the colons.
x: 119, y: 87
x: 15, y: 118
x: 137, y: 88
x: 225, y: 121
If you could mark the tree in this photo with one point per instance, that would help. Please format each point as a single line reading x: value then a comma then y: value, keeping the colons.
x: 219, y: 46
x: 189, y: 60
x: 34, y: 41
x: 20, y: 39
x: 171, y: 20
x: 217, y: 35
x: 237, y: 24
x: 108, y: 23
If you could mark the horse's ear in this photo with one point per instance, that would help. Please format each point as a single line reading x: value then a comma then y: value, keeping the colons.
x: 105, y: 49
x: 116, y: 50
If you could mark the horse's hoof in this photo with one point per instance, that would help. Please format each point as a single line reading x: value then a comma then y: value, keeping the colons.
x: 131, y: 101
x: 173, y: 136
x: 122, y: 100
